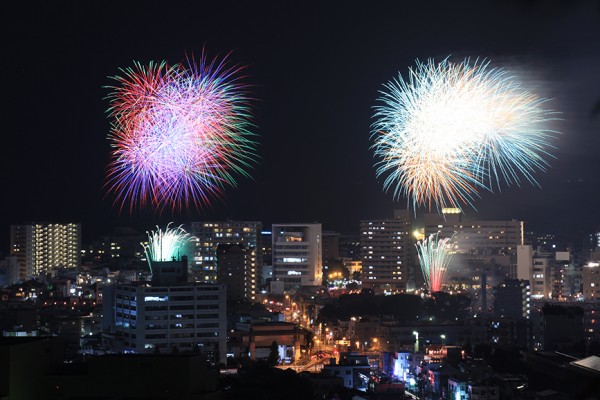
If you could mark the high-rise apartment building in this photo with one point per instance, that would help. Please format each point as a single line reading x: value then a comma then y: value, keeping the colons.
x: 120, y: 248
x: 297, y: 255
x: 476, y: 237
x: 211, y: 234
x: 42, y: 246
x: 386, y: 252
x: 236, y: 268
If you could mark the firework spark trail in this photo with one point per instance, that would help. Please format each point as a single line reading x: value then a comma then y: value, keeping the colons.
x: 179, y: 134
x: 453, y: 129
x: 434, y: 258
x: 165, y: 245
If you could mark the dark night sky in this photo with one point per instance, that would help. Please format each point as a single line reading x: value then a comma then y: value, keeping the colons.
x: 316, y: 70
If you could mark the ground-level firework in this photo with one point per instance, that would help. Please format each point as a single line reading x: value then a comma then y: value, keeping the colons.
x: 179, y: 134
x: 451, y: 130
x: 434, y: 257
x: 166, y: 245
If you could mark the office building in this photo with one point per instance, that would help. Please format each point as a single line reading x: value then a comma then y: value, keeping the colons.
x: 297, y: 255
x: 166, y: 315
x: 211, y: 234
x: 386, y: 252
x: 236, y: 268
x: 43, y: 246
x: 476, y: 237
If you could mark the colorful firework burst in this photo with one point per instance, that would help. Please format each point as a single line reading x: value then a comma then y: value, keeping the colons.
x: 167, y: 245
x: 453, y: 129
x: 179, y: 134
x: 434, y: 258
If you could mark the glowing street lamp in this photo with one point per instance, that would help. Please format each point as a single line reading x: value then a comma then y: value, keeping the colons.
x: 416, y: 341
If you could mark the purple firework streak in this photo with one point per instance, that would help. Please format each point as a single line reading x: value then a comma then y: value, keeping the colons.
x: 179, y: 134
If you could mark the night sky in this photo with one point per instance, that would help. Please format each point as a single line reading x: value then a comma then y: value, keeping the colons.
x: 316, y: 71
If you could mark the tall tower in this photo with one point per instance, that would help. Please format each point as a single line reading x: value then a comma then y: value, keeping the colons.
x: 42, y: 246
x: 297, y: 255
x: 386, y: 252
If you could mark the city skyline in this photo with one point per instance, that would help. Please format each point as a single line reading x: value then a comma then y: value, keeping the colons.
x: 315, y: 71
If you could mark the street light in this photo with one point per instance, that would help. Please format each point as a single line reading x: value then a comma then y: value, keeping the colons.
x: 443, y: 337
x: 416, y: 341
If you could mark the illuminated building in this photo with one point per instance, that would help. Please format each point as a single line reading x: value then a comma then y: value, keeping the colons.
x: 595, y: 239
x: 297, y: 255
x: 386, y: 251
x: 537, y: 268
x: 567, y: 278
x: 541, y: 286
x: 42, y: 246
x: 236, y: 268
x: 166, y: 315
x: 457, y: 388
x: 353, y: 368
x: 211, y: 234
x: 591, y: 281
x: 121, y: 247
x: 476, y: 237
x: 353, y: 266
x: 552, y: 274
x: 402, y: 364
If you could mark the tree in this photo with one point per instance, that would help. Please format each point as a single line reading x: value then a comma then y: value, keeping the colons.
x: 273, y: 358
